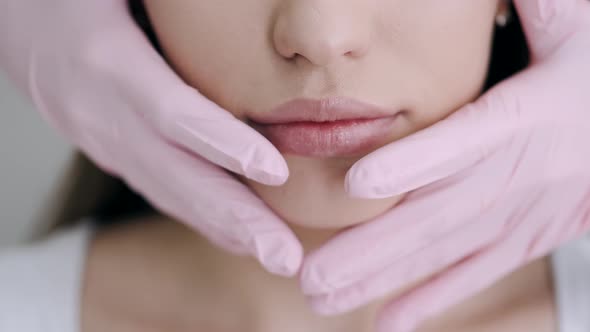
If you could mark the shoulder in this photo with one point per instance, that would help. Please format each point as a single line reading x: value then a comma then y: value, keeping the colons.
x: 40, y: 282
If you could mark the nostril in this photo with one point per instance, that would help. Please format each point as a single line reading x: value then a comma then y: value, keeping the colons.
x: 299, y: 35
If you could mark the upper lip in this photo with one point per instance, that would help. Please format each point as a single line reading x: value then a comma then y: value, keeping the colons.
x: 320, y: 110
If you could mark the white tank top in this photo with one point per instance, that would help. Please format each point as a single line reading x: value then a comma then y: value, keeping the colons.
x: 40, y: 284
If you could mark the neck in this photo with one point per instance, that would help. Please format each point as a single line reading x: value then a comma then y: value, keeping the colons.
x: 266, y: 302
x: 191, y: 284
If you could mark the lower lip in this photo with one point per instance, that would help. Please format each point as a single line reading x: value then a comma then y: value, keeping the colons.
x: 344, y: 138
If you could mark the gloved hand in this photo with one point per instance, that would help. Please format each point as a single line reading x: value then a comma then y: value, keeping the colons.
x: 501, y: 182
x: 93, y: 74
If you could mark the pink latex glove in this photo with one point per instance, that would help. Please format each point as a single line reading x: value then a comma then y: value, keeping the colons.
x: 93, y: 74
x: 503, y: 181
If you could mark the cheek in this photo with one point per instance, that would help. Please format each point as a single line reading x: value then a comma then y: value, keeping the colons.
x: 449, y: 55
x: 213, y: 45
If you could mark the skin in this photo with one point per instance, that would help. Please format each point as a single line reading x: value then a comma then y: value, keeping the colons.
x: 155, y: 275
x: 423, y: 58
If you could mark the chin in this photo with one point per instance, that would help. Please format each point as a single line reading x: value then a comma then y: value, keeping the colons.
x: 314, y: 224
x: 321, y: 207
x: 314, y: 196
x: 338, y: 215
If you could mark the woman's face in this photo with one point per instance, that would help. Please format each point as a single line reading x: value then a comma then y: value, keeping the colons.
x: 329, y: 81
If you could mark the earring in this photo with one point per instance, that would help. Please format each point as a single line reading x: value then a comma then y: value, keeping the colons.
x: 504, y: 16
x: 502, y: 20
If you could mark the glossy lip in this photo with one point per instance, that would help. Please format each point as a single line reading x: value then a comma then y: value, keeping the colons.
x: 335, y: 127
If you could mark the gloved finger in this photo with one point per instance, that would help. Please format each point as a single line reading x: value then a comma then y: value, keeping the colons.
x: 461, y: 281
x: 364, y: 250
x: 407, y: 270
x: 548, y: 22
x: 422, y: 218
x: 173, y: 204
x: 202, y: 127
x: 435, y: 153
x: 232, y: 210
x: 226, y: 208
x: 178, y: 112
x: 440, y: 252
x: 166, y: 201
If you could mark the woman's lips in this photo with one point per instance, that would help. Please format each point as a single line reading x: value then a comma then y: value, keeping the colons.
x: 325, y: 128
x: 329, y: 139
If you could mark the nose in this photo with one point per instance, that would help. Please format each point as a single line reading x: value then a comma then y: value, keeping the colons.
x: 322, y: 31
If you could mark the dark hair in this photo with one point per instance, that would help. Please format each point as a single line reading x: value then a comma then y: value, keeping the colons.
x: 510, y: 52
x: 111, y: 200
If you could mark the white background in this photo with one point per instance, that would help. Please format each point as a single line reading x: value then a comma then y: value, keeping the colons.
x: 32, y: 156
